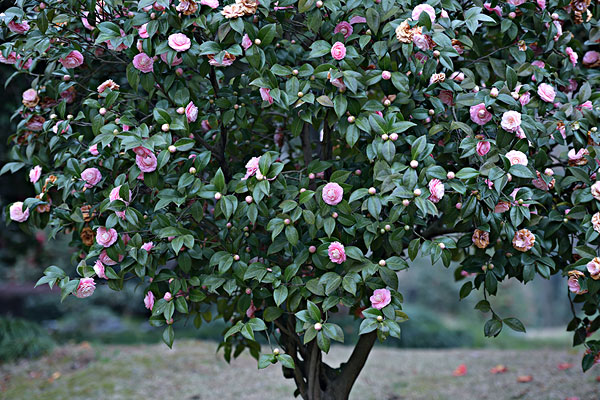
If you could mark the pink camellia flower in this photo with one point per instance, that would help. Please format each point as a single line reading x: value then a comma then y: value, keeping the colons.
x: 380, y: 298
x: 336, y: 252
x: 511, y: 121
x: 191, y: 112
x: 85, y: 288
x: 523, y: 240
x: 251, y: 310
x: 265, y: 94
x: 91, y: 176
x: 338, y: 51
x: 447, y: 97
x: 115, y: 195
x: 35, y: 173
x: 145, y: 159
x: 332, y: 193
x: 211, y: 3
x: 251, y: 167
x: 541, y: 4
x: 357, y: 19
x: 458, y: 76
x: 416, y: 13
x: 148, y: 246
x: 143, y: 63
x: 386, y: 75
x: 106, y: 237
x: 143, y: 31
x: 502, y: 206
x: 573, y: 283
x: 106, y: 260
x: 94, y: 149
x: 516, y: 157
x: 422, y: 42
x: 72, y: 60
x: 345, y: 28
x: 572, y: 55
x: 99, y: 269
x: 168, y: 296
x: 559, y: 30
x: 107, y: 84
x: 593, y: 268
x: 246, y: 42
x: 16, y: 212
x: 30, y: 98
x: 483, y: 147
x: 176, y: 61
x: 179, y: 42
x: 479, y: 114
x: 595, y: 189
x: 546, y: 92
x: 85, y: 21
x: 525, y: 98
x: 578, y: 158
x: 436, y: 188
x: 516, y: 2
x: 591, y: 58
x: 587, y: 105
x: 149, y: 301
x: 497, y: 9
x: 18, y: 27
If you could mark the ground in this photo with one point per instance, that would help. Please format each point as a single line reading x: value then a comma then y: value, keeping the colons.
x: 194, y: 371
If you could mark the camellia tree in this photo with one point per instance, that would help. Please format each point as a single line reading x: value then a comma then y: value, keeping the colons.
x: 273, y: 163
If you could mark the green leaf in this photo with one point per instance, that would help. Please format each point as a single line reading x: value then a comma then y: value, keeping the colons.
x: 286, y: 360
x: 168, y: 336
x: 272, y: 313
x: 492, y: 327
x: 514, y: 324
x: 313, y: 311
x: 280, y: 294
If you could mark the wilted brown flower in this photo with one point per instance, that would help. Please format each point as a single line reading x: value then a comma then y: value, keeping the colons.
x: 435, y: 78
x: 404, y: 33
x: 481, y: 238
x: 88, y: 215
x: 523, y: 240
x: 42, y: 208
x: 187, y: 7
x: 87, y: 236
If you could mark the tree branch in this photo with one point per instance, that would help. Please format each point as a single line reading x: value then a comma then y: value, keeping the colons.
x: 314, y: 387
x: 355, y: 364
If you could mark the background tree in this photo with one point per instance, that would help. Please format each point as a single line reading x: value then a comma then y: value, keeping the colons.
x: 368, y: 132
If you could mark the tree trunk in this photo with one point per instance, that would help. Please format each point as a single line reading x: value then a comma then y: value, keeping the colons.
x: 315, y: 380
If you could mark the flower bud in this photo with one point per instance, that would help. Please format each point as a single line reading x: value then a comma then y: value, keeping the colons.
x: 165, y: 127
x: 382, y: 263
x: 192, y: 170
x: 442, y: 246
x: 379, y: 318
x: 276, y: 351
x: 351, y: 119
x: 387, y: 102
x: 311, y: 176
x: 287, y: 221
x: 358, y: 172
x: 450, y: 175
x: 302, y: 190
x: 512, y: 15
x: 318, y: 326
x: 312, y: 249
x: 393, y: 137
x: 295, y: 72
x: 102, y: 111
x: 405, y: 202
x: 218, y: 196
x: 494, y: 92
x: 236, y: 257
x: 334, y: 215
x: 388, y: 227
x: 248, y: 291
x: 181, y: 111
x: 249, y: 199
x: 384, y: 137
x: 458, y: 206
x: 319, y: 4
x: 414, y: 164
x: 172, y: 149
x: 300, y: 94
x: 372, y: 190
x: 417, y: 192
x: 386, y: 75
x: 257, y: 41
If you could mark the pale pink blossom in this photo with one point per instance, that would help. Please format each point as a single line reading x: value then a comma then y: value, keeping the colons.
x: 587, y: 105
x: 595, y: 189
x: 422, y: 41
x: 145, y: 159
x: 91, y: 176
x: 591, y: 57
x: 436, y: 188
x: 251, y: 167
x: 35, y: 173
x: 179, y: 42
x: 345, y: 28
x: 115, y: 195
x: 483, y: 147
x: 546, y: 92
x: 336, y: 252
x: 191, y: 112
x: 266, y: 95
x: 525, y: 98
x: 143, y: 31
x: 148, y: 246
x: 149, y: 301
x: 246, y: 42
x: 18, y: 27
x: 516, y: 2
x: 143, y: 63
x: 593, y: 268
x: 380, y: 298
x: 16, y: 212
x: 333, y: 193
x: 211, y: 3
x: 516, y: 157
x: 108, y: 84
x: 72, y: 60
x: 85, y: 288
x: 168, y: 296
x: 497, y: 9
x: 106, y: 260
x: 94, y: 149
x: 357, y: 19
x: 502, y: 206
x: 578, y: 158
x: 100, y: 270
x: 416, y: 12
x: 457, y: 76
x: 85, y: 21
x: 176, y: 61
x: 338, y: 51
x: 479, y: 114
x: 573, y: 56
x: 511, y: 121
x: 12, y: 58
x: 106, y: 237
x: 541, y: 4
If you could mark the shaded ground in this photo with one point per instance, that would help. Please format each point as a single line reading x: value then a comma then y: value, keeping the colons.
x: 192, y: 371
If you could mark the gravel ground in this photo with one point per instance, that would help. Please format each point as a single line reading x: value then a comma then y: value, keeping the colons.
x: 193, y: 371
